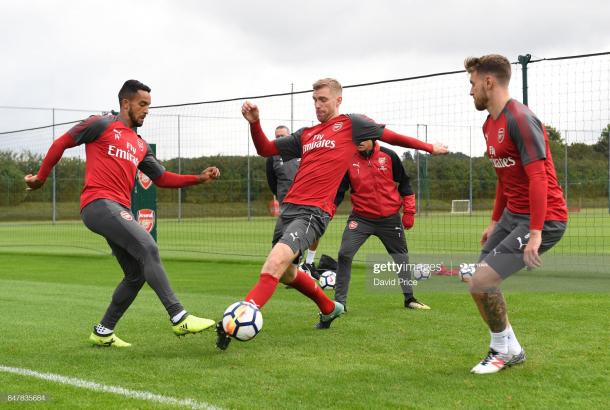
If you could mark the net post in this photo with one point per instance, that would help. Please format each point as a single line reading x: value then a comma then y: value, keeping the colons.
x: 248, y: 181
x: 54, y: 179
x: 524, y: 61
x: 180, y: 172
x: 470, y: 169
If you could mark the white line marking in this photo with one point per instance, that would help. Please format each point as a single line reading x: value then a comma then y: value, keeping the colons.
x: 85, y: 384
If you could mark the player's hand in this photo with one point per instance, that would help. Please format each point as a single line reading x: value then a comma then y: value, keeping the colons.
x: 409, y: 209
x: 530, y: 254
x: 439, y: 149
x: 490, y: 228
x: 32, y: 182
x: 408, y: 220
x: 209, y: 174
x: 250, y: 112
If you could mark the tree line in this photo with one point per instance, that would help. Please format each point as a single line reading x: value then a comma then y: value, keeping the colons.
x: 438, y: 180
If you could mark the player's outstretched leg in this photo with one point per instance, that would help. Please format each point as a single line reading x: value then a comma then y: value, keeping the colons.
x: 326, y: 320
x: 259, y: 295
x: 308, y: 287
x: 185, y: 323
x: 104, y: 337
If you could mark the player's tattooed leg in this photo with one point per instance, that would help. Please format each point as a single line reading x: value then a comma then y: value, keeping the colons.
x: 492, y: 303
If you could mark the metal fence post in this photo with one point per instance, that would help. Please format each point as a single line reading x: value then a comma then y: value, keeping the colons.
x: 565, y: 169
x: 249, y: 210
x: 180, y: 172
x: 54, y: 179
x: 418, y: 197
x: 422, y: 175
x: 524, y: 60
x: 292, y: 107
x: 426, y: 180
x: 470, y: 170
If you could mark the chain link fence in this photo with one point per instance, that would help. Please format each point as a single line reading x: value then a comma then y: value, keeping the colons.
x: 231, y: 218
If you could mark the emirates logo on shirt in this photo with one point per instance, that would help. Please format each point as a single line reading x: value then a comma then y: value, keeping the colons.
x: 144, y: 180
x: 500, y: 162
x: 126, y: 154
x: 503, y: 162
x: 146, y: 218
x: 318, y: 141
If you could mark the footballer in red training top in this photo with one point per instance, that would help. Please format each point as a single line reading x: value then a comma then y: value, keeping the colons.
x: 529, y: 214
x: 326, y: 150
x: 114, y: 153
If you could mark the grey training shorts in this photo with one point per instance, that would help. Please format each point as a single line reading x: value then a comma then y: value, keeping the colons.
x: 504, y: 248
x: 299, y: 226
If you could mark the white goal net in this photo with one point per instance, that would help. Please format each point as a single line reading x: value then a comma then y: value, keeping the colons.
x: 460, y: 206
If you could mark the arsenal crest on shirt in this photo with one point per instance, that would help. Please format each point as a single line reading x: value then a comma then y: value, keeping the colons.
x: 500, y: 135
x: 146, y: 218
x: 144, y: 180
x: 337, y: 126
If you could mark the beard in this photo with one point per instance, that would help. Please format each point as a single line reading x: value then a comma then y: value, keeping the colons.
x: 134, y: 120
x: 323, y: 117
x: 481, y: 103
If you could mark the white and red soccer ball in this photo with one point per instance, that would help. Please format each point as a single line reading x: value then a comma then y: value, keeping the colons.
x: 242, y: 320
x: 466, y: 271
x: 422, y: 271
x: 328, y: 280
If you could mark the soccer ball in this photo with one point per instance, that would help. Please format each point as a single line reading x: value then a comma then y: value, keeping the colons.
x: 422, y: 271
x: 328, y: 279
x: 242, y: 320
x: 467, y: 271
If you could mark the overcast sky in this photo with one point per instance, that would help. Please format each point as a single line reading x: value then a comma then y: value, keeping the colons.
x: 76, y: 54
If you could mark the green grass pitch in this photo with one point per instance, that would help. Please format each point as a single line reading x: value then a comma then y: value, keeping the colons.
x: 379, y: 355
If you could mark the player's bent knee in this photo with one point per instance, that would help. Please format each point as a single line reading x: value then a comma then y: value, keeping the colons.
x: 275, y: 267
x: 485, y: 278
x: 279, y: 260
x: 151, y: 252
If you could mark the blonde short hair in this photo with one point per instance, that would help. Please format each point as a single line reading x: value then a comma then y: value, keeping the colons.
x: 493, y: 64
x: 331, y: 83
